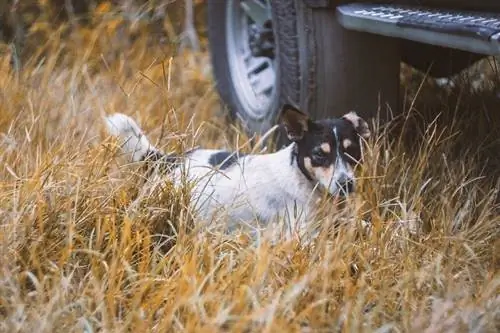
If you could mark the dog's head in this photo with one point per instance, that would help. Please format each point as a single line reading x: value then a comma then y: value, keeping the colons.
x: 327, y: 150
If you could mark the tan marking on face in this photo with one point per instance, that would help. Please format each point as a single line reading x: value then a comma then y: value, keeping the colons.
x: 321, y: 174
x: 326, y: 147
x: 346, y: 143
x: 308, y: 165
x: 324, y: 175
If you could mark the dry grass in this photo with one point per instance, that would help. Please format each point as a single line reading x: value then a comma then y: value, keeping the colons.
x: 71, y: 260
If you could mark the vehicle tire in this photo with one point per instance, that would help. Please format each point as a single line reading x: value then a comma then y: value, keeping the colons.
x: 319, y: 66
x: 256, y: 115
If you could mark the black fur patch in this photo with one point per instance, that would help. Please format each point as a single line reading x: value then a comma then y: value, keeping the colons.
x: 224, y: 159
x: 300, y: 162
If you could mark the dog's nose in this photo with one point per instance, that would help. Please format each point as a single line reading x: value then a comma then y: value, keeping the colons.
x: 346, y: 186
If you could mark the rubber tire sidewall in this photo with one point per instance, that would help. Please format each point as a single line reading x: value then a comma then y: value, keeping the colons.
x: 220, y: 65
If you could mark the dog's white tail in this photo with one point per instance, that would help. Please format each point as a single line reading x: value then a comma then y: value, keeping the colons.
x: 131, y: 137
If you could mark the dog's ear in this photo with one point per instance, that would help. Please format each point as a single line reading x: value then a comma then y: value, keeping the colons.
x: 358, y: 123
x: 296, y: 122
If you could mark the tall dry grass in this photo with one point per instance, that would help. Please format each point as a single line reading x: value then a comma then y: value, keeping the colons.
x: 417, y: 250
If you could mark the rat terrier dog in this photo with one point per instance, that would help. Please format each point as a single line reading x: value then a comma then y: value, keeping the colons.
x: 260, y: 187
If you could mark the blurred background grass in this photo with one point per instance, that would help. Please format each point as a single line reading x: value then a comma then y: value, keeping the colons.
x: 73, y: 259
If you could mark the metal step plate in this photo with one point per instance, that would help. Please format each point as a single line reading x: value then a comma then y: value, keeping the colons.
x: 469, y: 31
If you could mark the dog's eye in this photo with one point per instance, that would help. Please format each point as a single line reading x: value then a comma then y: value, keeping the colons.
x: 319, y: 155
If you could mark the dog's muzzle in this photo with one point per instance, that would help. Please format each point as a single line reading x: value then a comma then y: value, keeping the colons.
x: 346, y: 186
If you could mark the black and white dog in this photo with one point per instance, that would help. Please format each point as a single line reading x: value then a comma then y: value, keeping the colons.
x: 260, y: 187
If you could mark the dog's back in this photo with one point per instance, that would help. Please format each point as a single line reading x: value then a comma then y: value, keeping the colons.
x: 136, y: 145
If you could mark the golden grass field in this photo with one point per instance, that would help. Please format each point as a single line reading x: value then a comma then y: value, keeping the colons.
x: 71, y: 260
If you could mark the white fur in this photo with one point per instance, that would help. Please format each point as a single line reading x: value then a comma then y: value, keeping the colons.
x: 261, y: 187
x: 134, y: 142
x: 257, y: 187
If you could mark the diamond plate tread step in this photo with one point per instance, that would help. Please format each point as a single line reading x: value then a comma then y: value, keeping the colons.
x: 469, y: 31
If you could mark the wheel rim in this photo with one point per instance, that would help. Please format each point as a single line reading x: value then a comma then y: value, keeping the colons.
x: 253, y: 77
